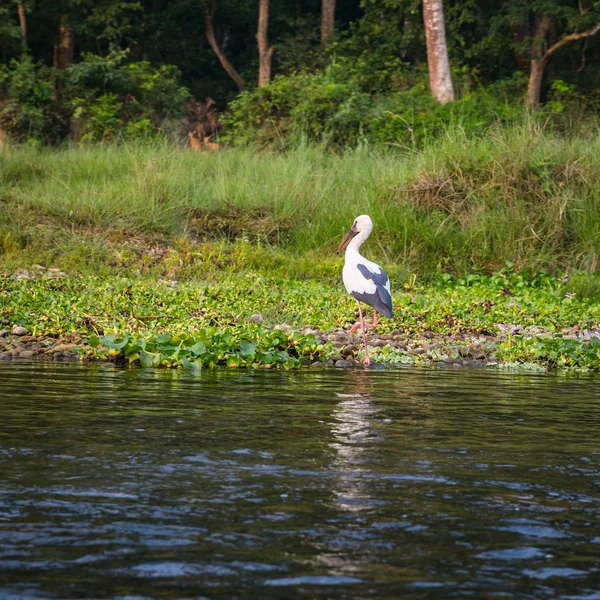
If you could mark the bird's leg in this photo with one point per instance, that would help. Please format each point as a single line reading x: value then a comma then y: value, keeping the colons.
x: 367, y: 325
x: 374, y: 319
x: 367, y: 360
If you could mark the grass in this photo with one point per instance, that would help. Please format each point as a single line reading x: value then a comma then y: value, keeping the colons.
x: 520, y: 194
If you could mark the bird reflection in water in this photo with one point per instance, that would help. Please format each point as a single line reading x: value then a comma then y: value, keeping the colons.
x: 352, y: 429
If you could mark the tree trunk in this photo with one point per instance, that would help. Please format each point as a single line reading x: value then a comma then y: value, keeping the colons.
x: 534, y: 87
x: 327, y: 20
x: 539, y: 56
x: 22, y: 23
x: 440, y: 77
x: 538, y: 62
x: 210, y: 36
x: 63, y: 50
x: 265, y: 54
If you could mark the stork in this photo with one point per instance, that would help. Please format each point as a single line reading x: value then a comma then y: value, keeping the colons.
x: 365, y: 281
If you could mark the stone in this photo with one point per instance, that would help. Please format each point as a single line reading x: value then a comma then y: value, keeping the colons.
x: 5, y: 356
x: 399, y: 345
x: 343, y: 363
x: 416, y: 351
x: 349, y: 351
x: 453, y: 361
x: 19, y: 330
x: 60, y: 348
x: 336, y: 357
x: 338, y: 337
x: 27, y: 338
x: 4, y: 332
x: 27, y: 354
x: 256, y: 318
x: 474, y: 363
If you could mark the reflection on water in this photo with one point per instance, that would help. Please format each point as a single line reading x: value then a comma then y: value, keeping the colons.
x: 414, y: 484
x: 352, y: 422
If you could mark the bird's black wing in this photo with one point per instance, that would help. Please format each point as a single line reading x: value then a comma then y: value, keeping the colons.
x: 380, y: 300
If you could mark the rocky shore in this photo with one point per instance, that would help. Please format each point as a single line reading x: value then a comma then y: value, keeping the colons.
x: 19, y: 344
x: 429, y: 347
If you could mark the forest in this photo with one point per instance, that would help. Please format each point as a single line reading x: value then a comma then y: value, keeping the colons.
x: 272, y: 72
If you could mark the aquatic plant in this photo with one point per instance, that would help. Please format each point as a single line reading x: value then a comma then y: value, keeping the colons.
x: 164, y: 322
x: 252, y: 347
x: 554, y: 352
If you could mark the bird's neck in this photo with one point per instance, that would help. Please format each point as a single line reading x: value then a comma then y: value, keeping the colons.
x: 354, y: 246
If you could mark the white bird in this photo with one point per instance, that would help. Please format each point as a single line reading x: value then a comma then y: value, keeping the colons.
x: 365, y: 281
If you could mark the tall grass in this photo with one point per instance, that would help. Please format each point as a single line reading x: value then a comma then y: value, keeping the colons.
x: 521, y: 194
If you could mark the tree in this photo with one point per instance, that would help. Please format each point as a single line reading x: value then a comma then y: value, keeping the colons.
x: 540, y: 53
x: 64, y: 47
x: 212, y: 40
x: 22, y: 23
x: 440, y: 77
x: 265, y: 53
x: 327, y: 20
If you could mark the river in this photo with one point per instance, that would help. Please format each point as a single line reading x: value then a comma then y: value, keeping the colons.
x: 140, y: 483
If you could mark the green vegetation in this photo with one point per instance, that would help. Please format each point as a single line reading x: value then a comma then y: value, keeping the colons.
x: 334, y: 110
x: 487, y: 214
x: 522, y: 194
x: 506, y: 317
x: 88, y: 71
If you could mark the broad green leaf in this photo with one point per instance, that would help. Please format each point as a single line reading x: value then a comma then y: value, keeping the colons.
x: 198, y: 348
x: 149, y: 359
x: 248, y: 348
x: 108, y: 341
x: 133, y: 357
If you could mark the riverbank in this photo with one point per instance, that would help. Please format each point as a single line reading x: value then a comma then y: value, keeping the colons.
x: 255, y: 321
x: 526, y: 194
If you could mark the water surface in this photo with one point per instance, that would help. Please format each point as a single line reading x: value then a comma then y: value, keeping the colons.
x: 313, y: 484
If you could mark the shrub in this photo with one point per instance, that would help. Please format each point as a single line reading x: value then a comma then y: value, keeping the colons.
x: 109, y: 96
x: 95, y: 99
x: 330, y: 108
x: 28, y: 109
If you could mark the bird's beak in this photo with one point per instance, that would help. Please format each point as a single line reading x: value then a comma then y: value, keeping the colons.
x: 347, y: 238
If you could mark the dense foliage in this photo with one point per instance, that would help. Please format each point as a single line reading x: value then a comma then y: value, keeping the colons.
x: 96, y: 70
x: 95, y: 99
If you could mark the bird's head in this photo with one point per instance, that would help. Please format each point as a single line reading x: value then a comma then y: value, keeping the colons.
x: 362, y: 225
